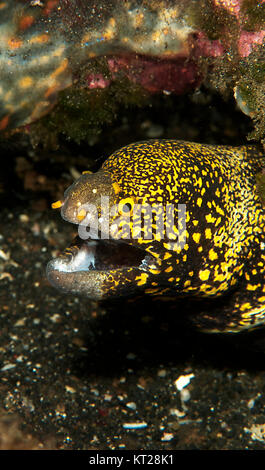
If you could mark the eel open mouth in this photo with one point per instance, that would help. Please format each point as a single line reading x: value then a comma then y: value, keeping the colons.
x: 101, y: 255
x: 88, y: 267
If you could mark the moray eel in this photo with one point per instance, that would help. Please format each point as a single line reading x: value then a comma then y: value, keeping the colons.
x: 170, y: 218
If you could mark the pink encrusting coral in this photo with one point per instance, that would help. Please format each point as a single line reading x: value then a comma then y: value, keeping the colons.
x: 248, y: 40
x: 203, y: 47
x: 157, y: 75
x: 97, y: 80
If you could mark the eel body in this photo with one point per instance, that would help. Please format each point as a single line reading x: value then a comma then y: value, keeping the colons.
x: 170, y: 218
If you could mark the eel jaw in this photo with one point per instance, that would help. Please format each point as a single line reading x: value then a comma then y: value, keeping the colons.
x: 100, y: 268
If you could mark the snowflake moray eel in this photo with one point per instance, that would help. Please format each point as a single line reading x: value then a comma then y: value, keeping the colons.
x: 217, y: 249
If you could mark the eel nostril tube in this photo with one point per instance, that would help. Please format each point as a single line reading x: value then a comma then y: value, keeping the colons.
x: 57, y: 204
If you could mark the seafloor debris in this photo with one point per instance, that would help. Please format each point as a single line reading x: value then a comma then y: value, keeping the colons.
x: 157, y: 46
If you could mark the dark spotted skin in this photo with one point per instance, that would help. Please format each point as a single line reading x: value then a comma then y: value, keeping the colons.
x: 222, y: 254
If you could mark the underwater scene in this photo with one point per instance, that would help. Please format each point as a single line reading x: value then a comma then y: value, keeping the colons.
x: 132, y: 225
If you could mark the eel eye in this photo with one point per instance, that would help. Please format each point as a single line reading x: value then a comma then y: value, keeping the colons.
x: 126, y: 206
